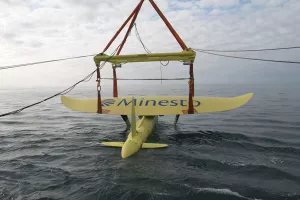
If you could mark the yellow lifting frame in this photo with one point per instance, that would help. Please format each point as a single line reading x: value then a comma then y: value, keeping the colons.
x: 185, y: 55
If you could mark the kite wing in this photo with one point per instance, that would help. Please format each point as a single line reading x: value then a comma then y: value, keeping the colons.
x: 156, y: 105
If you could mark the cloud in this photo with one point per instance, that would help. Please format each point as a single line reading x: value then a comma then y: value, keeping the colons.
x: 34, y: 30
x: 268, y: 2
x: 218, y: 3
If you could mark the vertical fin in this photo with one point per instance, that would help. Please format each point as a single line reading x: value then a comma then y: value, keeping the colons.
x: 133, y: 119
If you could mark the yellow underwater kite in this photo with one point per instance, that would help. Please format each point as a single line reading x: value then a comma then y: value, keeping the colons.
x: 148, y: 108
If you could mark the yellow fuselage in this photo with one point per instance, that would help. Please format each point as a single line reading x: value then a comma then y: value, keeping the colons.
x: 134, y: 142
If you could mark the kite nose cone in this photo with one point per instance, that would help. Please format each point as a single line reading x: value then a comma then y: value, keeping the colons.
x: 129, y: 148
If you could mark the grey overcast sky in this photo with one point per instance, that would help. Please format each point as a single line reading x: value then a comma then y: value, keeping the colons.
x: 32, y: 30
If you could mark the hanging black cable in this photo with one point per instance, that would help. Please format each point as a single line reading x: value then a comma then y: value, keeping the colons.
x: 144, y: 46
x: 57, y: 94
x: 86, y: 79
x: 245, y: 58
x: 140, y: 39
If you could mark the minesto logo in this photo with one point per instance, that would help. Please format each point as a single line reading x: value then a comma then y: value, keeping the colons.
x: 107, y: 102
x: 152, y: 102
x: 149, y: 102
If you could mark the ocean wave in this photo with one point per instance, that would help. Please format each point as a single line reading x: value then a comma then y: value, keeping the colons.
x: 224, y: 191
x: 234, y: 140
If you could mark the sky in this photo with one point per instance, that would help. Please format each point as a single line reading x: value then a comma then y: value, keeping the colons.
x: 32, y: 31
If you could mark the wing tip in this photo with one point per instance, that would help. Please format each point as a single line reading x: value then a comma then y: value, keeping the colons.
x: 64, y: 98
x: 249, y: 96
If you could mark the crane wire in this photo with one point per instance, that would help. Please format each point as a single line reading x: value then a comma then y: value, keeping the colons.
x: 247, y: 50
x: 89, y: 76
x: 148, y: 51
x: 42, y: 62
x: 246, y: 58
x: 86, y: 79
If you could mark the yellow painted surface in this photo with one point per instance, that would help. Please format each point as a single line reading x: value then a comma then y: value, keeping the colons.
x: 113, y: 144
x: 185, y: 55
x: 137, y: 137
x: 134, y: 142
x: 156, y: 105
x: 153, y: 145
x: 144, y: 145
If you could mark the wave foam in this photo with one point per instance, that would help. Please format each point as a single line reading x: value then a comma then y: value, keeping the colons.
x: 223, y: 191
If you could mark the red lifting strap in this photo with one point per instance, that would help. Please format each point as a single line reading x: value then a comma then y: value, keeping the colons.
x: 99, y: 90
x: 132, y: 16
x: 191, y: 90
x: 115, y: 83
x: 183, y: 46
